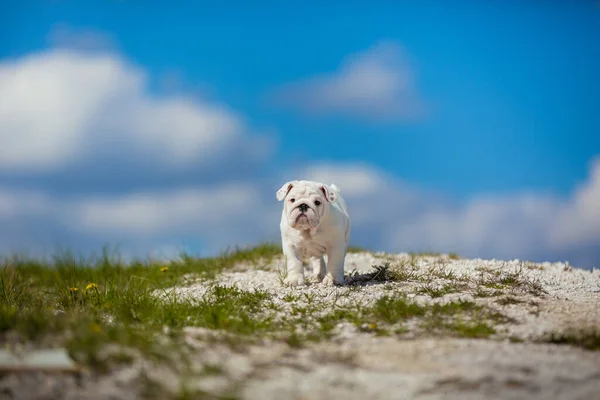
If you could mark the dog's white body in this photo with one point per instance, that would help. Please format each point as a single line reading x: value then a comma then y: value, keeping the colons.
x: 314, y: 223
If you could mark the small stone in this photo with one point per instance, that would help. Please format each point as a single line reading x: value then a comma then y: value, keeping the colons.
x: 45, y: 360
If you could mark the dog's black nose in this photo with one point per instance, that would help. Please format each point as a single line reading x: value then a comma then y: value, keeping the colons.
x: 303, y: 207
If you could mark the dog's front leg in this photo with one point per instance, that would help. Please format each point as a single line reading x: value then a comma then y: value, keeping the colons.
x: 295, y: 268
x: 336, y: 256
x: 319, y: 268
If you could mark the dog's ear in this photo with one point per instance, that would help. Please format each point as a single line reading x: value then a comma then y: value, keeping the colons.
x: 330, y: 193
x: 285, y: 189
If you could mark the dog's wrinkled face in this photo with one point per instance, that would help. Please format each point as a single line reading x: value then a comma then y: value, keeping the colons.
x: 305, y: 203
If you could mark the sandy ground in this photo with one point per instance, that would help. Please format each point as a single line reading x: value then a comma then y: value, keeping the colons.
x: 357, y: 364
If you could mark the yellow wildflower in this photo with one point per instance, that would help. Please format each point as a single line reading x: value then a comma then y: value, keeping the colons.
x: 96, y: 328
x: 91, y: 286
x: 164, y: 269
x: 73, y: 289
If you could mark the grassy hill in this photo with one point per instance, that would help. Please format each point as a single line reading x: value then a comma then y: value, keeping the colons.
x: 158, y: 322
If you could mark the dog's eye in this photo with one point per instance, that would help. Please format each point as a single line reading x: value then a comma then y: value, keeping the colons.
x: 292, y: 200
x: 317, y: 203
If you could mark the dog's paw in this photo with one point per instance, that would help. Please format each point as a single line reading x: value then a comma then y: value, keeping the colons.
x: 317, y: 277
x: 294, y: 280
x: 330, y: 281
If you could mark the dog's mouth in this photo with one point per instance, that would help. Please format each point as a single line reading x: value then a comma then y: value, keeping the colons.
x: 302, y: 219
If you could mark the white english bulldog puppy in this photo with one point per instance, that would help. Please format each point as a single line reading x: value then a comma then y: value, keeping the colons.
x: 314, y: 223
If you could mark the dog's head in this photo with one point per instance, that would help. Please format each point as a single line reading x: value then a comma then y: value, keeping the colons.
x: 305, y: 203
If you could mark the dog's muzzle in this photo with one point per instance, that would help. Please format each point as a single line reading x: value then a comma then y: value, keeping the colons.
x: 302, y: 216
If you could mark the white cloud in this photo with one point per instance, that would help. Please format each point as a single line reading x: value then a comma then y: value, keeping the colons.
x: 373, y: 196
x: 153, y: 213
x: 68, y: 111
x: 386, y: 215
x: 232, y: 213
x: 579, y: 220
x: 519, y: 226
x: 16, y: 203
x: 219, y: 216
x: 392, y: 216
x: 378, y: 83
x: 62, y: 106
x: 357, y: 180
x: 495, y: 227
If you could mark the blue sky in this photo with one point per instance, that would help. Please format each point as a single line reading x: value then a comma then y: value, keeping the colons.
x: 445, y: 105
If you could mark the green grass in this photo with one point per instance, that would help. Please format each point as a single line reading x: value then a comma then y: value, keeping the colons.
x: 67, y: 295
x: 462, y: 318
x: 403, y: 271
x: 357, y: 249
x: 586, y: 338
x: 455, y: 318
x: 381, y: 273
x: 495, y: 282
x: 90, y: 304
x: 389, y: 314
x: 392, y: 309
x: 482, y: 292
x: 451, y: 255
x: 434, y: 291
x: 508, y: 300
x: 468, y: 329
